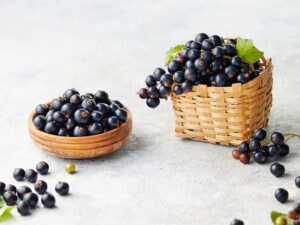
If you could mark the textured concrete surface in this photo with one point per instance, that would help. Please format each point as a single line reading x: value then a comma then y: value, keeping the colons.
x: 156, y: 178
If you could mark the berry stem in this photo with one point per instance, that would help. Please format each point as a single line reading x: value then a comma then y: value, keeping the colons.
x: 290, y: 136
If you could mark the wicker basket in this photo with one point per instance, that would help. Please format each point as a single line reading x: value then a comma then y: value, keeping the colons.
x: 225, y: 115
x: 81, y: 147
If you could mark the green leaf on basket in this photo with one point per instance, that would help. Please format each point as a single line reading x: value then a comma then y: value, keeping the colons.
x: 275, y: 215
x: 247, y: 51
x: 170, y: 54
x: 5, y: 213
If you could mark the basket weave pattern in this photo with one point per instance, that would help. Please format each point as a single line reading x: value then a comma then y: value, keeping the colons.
x: 224, y: 115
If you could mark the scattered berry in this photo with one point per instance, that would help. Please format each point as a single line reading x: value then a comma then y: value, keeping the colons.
x: 281, y: 195
x: 10, y: 187
x: 42, y: 167
x: 31, y: 175
x: 23, y: 208
x: 297, y: 181
x: 260, y: 157
x: 48, y: 200
x: 19, y: 174
x: 245, y: 158
x: 22, y: 190
x: 236, y: 153
x: 62, y: 188
x: 237, y: 222
x: 31, y: 198
x: 277, y: 169
x: 40, y: 187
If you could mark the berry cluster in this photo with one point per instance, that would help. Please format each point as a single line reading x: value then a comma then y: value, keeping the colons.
x: 23, y: 196
x: 209, y: 60
x: 261, y: 153
x: 77, y: 115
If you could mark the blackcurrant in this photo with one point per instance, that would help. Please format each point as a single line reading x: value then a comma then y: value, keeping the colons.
x: 200, y: 64
x: 207, y: 44
x: 164, y: 91
x: 187, y: 85
x: 88, y: 104
x: 177, y: 89
x: 241, y: 78
x: 69, y: 93
x: 42, y: 167
x: 254, y: 144
x: 82, y: 116
x: 121, y: 113
x: 195, y: 45
x: 216, y: 66
x: 231, y: 71
x: 217, y: 40
x: 101, y: 96
x: 62, y: 188
x: 178, y: 77
x: 95, y: 128
x: 273, y: 150
x: 41, y: 109
x: 201, y: 37
x: 150, y: 81
x: 152, y: 102
x: 260, y: 157
x: 23, y: 208
x: 218, y: 51
x: 190, y: 74
x: 10, y: 198
x: 48, y: 200
x: 22, y: 190
x: 166, y: 80
x: 237, y: 222
x: 297, y: 207
x: 76, y: 99
x: 31, y: 175
x: 62, y: 131
x: 40, y: 187
x: 51, y: 127
x: 277, y: 169
x: 19, y: 174
x: 57, y: 103
x: 97, y: 116
x: 31, y: 199
x: 260, y: 134
x: 70, y: 124
x: 284, y: 150
x: 277, y: 138
x: 104, y: 108
x: 236, y: 61
x: 143, y: 93
x: 193, y: 54
x: 10, y: 187
x: 206, y: 56
x: 158, y: 72
x: 153, y: 92
x: 229, y: 50
x: 39, y: 122
x: 220, y: 80
x: 174, y: 66
x: 244, y: 158
x: 113, y: 122
x: 59, y: 117
x: 80, y: 131
x: 68, y: 109
x: 281, y: 195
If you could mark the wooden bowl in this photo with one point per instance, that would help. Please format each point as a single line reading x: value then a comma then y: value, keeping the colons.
x: 84, y: 147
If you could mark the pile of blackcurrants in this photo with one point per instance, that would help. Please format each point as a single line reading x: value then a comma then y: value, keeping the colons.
x: 209, y: 60
x: 77, y: 115
x: 261, y: 152
x: 23, y: 196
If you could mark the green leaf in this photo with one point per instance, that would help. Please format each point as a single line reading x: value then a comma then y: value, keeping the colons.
x: 247, y: 51
x: 1, y: 203
x: 170, y: 54
x: 5, y: 213
x: 275, y: 215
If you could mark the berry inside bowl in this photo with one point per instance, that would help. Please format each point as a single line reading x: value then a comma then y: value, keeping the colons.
x: 75, y: 144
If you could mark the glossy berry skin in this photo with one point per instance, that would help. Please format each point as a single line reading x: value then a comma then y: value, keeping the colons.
x: 19, y: 174
x: 206, y: 56
x: 244, y: 147
x: 88, y: 104
x: 39, y: 122
x: 284, y: 150
x: 113, y: 122
x: 236, y: 61
x: 41, y: 109
x: 281, y: 195
x: 218, y: 52
x: 166, y: 80
x: 277, y: 138
x: 23, y: 208
x: 10, y: 198
x: 220, y: 80
x: 260, y: 157
x: 158, y: 72
x: 82, y: 116
x: 244, y: 158
x: 62, y: 188
x: 174, y: 66
x: 31, y: 175
x: 254, y: 144
x: 190, y: 74
x: 69, y: 93
x: 95, y: 128
x: 153, y: 92
x: 31, y: 199
x: 101, y: 96
x: 201, y: 37
x: 51, y: 127
x: 260, y: 134
x: 150, y: 81
x: 57, y: 103
x: 68, y: 109
x: 207, y: 44
x: 277, y: 169
x: 22, y: 190
x: 195, y: 45
x: 217, y: 40
x: 164, y: 91
x: 200, y: 64
x: 297, y: 207
x: 48, y: 200
x: 75, y: 100
x: 2, y: 187
x: 177, y: 89
x: 40, y: 187
x: 297, y: 181
x: 152, y: 102
x: 229, y: 50
x: 80, y: 131
x: 59, y: 117
x: 121, y: 113
x: 187, y: 85
x: 178, y: 77
x: 42, y: 167
x: 274, y: 150
x: 237, y: 222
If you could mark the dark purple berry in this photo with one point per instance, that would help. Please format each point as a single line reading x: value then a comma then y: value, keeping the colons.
x: 19, y: 174
x: 10, y: 198
x: 69, y: 93
x: 174, y: 66
x: 113, y: 122
x: 51, y: 127
x: 68, y: 109
x: 101, y: 96
x: 281, y: 195
x: 31, y: 175
x: 10, y: 187
x: 2, y: 187
x: 254, y: 144
x: 23, y: 208
x: 260, y: 157
x: 62, y: 188
x: 76, y: 99
x: 40, y: 187
x: 95, y: 128
x: 158, y: 72
x: 42, y: 167
x: 41, y: 109
x: 201, y: 37
x: 88, y: 104
x: 260, y: 134
x: 48, y: 200
x: 277, y: 138
x: 82, y: 116
x: 297, y: 181
x: 39, y: 122
x: 31, y: 199
x: 237, y: 222
x: 22, y: 190
x: 273, y: 150
x: 284, y: 150
x: 80, y: 131
x: 277, y: 169
x: 150, y: 81
x: 121, y: 113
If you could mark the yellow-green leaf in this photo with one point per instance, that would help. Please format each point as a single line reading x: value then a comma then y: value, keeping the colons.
x: 170, y: 54
x: 275, y: 215
x: 5, y: 213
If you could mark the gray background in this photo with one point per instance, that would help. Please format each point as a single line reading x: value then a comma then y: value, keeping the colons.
x: 156, y: 178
